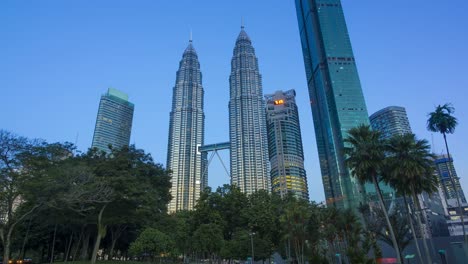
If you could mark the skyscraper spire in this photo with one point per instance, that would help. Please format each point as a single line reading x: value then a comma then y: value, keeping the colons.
x: 247, y: 124
x: 190, y: 40
x: 242, y: 22
x: 186, y: 133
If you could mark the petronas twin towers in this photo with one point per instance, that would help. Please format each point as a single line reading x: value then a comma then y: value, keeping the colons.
x: 186, y: 134
x: 247, y: 127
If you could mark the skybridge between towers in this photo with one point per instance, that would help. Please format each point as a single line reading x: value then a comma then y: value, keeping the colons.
x: 214, y: 148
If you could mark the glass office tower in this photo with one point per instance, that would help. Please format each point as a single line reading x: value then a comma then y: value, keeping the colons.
x: 186, y: 134
x: 247, y: 124
x: 285, y: 145
x: 335, y: 94
x: 114, y: 121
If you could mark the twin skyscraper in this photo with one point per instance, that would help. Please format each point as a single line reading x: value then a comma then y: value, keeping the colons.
x: 249, y: 155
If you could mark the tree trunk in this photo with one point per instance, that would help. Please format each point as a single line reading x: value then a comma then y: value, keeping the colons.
x: 390, y: 228
x: 421, y: 228
x: 7, y: 244
x: 6, y: 251
x: 85, y: 246
x: 25, y: 239
x: 407, y: 207
x: 111, y: 251
x: 78, y: 243
x: 53, y: 245
x: 100, y: 233
x: 465, y: 238
x: 67, y: 253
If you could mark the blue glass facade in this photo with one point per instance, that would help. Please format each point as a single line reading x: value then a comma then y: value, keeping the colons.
x: 335, y: 94
x: 114, y: 121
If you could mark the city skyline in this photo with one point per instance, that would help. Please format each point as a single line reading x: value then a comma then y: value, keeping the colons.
x: 66, y: 65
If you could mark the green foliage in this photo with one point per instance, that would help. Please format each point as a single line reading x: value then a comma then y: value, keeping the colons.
x: 208, y: 239
x: 366, y: 159
x: 365, y: 153
x: 442, y: 120
x: 410, y: 165
x: 152, y: 242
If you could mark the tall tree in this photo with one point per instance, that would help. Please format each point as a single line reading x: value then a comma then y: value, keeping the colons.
x: 23, y: 163
x: 263, y: 222
x: 153, y: 243
x: 410, y: 171
x: 139, y: 187
x: 295, y: 223
x: 442, y: 121
x: 365, y: 157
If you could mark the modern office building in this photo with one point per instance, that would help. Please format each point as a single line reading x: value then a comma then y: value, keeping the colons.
x: 335, y: 92
x: 443, y: 165
x: 186, y: 134
x: 114, y: 121
x: 247, y: 124
x: 285, y: 145
x: 391, y: 121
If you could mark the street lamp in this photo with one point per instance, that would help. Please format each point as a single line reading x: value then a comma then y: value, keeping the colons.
x: 252, y: 244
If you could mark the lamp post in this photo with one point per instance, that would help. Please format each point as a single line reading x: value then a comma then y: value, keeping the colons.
x: 252, y: 244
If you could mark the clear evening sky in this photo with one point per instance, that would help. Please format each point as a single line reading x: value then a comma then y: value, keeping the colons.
x: 58, y: 57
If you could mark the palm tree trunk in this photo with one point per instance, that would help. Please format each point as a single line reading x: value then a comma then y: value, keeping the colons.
x: 418, y: 218
x: 390, y: 228
x: 456, y: 193
x: 412, y: 228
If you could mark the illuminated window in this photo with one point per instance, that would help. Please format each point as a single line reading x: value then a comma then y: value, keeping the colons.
x: 279, y: 102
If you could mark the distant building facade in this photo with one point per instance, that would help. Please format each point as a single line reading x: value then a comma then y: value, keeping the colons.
x: 391, y: 121
x: 443, y: 165
x: 114, y: 121
x: 247, y: 124
x: 336, y: 97
x: 285, y: 145
x: 186, y: 134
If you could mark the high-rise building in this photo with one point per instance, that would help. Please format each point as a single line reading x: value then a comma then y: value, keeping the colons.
x: 391, y: 121
x: 443, y: 165
x: 114, y: 121
x: 247, y: 124
x: 285, y: 145
x: 186, y: 134
x: 335, y: 92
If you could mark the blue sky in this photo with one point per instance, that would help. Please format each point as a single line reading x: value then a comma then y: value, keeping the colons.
x: 58, y: 57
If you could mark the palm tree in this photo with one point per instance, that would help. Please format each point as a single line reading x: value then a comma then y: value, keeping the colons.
x: 410, y: 171
x: 442, y: 121
x: 365, y: 158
